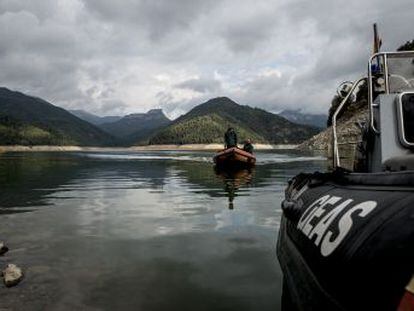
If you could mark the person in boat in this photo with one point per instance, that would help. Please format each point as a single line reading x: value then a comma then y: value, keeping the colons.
x: 230, y: 138
x: 248, y: 147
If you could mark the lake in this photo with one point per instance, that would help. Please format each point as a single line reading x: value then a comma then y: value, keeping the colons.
x: 143, y: 231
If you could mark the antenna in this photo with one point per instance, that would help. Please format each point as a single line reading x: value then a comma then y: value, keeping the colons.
x: 377, y: 40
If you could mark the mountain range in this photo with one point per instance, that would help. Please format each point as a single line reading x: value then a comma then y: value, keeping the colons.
x: 297, y: 116
x: 207, y: 122
x: 93, y: 118
x: 29, y: 120
x: 137, y: 127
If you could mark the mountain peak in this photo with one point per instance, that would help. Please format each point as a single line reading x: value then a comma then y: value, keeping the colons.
x: 155, y: 111
x: 221, y: 100
x: 135, y: 126
x: 213, y: 105
x: 207, y: 122
x: 150, y: 114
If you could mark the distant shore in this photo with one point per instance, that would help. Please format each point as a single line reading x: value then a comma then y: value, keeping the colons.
x: 188, y: 147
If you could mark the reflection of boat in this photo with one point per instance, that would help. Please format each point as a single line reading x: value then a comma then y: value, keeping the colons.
x: 233, y: 179
x: 346, y: 238
x: 234, y: 157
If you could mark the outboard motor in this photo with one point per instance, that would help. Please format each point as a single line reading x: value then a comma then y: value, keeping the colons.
x: 346, y: 240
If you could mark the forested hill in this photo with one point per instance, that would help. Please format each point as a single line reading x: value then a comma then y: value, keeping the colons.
x: 27, y: 120
x: 207, y: 123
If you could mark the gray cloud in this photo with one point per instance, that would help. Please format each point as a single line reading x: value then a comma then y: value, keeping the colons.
x: 158, y: 17
x: 204, y: 85
x: 251, y: 27
x: 111, y: 57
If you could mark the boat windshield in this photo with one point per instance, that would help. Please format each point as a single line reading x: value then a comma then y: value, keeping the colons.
x: 400, y: 73
x: 407, y: 114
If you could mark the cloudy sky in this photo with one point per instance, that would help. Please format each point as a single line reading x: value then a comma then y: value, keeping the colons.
x: 116, y: 57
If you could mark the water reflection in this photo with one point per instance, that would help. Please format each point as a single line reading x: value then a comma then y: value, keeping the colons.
x: 33, y: 179
x: 142, y: 231
x: 233, y: 179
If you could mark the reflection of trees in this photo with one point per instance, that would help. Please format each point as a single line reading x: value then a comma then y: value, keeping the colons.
x: 27, y: 179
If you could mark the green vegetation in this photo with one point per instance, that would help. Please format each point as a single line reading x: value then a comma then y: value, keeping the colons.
x: 207, y: 123
x: 29, y: 120
x: 202, y: 130
x: 13, y: 132
x: 26, y: 120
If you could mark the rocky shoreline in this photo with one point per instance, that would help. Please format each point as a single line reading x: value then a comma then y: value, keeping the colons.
x: 349, y: 135
x: 12, y: 274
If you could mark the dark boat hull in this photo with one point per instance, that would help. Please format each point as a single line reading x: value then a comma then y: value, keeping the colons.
x: 234, y: 157
x: 346, y: 241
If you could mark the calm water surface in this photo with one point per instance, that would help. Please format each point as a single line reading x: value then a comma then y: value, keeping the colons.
x: 143, y: 231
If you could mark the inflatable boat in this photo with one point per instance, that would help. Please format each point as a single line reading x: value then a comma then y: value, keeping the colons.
x: 234, y: 157
x: 346, y: 239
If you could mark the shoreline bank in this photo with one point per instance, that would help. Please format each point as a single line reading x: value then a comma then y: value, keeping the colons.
x: 189, y: 147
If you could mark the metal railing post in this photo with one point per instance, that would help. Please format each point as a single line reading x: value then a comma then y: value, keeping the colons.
x: 337, y: 161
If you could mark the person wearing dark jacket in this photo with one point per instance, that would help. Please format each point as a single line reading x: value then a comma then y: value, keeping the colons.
x: 230, y: 138
x: 248, y: 147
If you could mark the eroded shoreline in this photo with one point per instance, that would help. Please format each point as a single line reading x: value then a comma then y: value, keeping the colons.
x: 189, y: 147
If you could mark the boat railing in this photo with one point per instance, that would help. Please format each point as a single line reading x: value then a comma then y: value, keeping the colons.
x: 342, y: 105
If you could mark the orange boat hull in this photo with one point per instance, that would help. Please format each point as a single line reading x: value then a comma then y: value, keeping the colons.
x: 234, y: 157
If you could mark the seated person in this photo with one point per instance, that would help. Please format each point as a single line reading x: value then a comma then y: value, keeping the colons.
x: 248, y: 147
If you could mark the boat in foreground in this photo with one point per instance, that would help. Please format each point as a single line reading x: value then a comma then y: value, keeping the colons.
x: 234, y: 157
x: 346, y: 239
